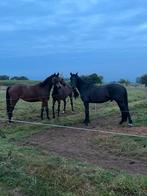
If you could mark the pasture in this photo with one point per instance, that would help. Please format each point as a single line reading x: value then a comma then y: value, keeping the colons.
x: 43, y: 160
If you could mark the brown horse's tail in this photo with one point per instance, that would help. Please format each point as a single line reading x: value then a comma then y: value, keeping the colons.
x: 8, y: 104
x: 75, y: 92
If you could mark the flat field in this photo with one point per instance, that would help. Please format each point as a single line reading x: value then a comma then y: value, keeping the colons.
x: 44, y: 160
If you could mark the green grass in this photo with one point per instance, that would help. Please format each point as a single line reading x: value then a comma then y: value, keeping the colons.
x: 124, y: 146
x: 12, y: 82
x: 30, y: 171
x: 34, y: 173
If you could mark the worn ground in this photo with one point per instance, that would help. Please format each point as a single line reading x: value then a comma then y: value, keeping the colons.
x: 82, y: 145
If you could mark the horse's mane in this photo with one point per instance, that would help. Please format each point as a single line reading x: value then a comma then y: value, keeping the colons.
x: 62, y: 81
x: 85, y: 82
x: 46, y: 81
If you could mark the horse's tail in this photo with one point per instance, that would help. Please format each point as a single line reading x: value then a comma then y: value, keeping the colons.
x: 8, y: 104
x: 75, y: 92
x: 126, y: 98
x: 127, y: 107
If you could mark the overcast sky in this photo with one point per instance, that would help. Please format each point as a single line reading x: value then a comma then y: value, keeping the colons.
x: 39, y: 37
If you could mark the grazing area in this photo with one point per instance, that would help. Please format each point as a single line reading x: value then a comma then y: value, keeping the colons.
x: 45, y: 160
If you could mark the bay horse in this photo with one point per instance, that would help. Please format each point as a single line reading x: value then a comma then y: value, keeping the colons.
x: 91, y: 93
x: 62, y: 90
x: 34, y: 93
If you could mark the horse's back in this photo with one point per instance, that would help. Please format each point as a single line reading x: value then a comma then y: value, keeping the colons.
x: 64, y: 91
x: 103, y: 93
x: 16, y: 90
x: 116, y: 91
x: 29, y: 93
x: 94, y: 94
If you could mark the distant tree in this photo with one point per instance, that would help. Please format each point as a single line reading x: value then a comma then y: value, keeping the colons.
x: 4, y: 77
x: 138, y: 80
x: 143, y: 79
x: 93, y: 78
x: 123, y: 81
x: 19, y: 78
x: 14, y: 78
x: 23, y: 78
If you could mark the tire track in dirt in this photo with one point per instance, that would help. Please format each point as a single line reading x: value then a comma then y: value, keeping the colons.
x: 79, y: 145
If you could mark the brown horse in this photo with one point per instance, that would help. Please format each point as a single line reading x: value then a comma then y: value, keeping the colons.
x: 62, y: 90
x: 35, y: 93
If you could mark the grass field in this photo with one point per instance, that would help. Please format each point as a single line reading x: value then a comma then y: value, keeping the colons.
x: 41, y: 160
x: 12, y: 82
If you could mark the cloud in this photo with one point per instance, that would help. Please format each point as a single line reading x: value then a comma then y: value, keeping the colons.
x: 67, y: 26
x: 82, y: 5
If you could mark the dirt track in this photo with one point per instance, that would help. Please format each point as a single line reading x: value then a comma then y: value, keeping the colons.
x: 79, y: 145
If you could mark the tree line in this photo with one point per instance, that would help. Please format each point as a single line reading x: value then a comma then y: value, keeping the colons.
x: 5, y: 77
x: 92, y: 78
x: 142, y: 80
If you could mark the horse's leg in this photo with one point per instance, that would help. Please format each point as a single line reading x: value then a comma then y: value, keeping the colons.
x: 42, y: 110
x: 59, y: 102
x: 124, y: 111
x: 12, y: 105
x: 128, y: 116
x: 71, y: 101
x: 86, y: 121
x: 53, y: 108
x: 129, y: 119
x: 64, y: 108
x: 47, y: 110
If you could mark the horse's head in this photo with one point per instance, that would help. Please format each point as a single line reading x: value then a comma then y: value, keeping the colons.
x: 56, y: 81
x: 74, y: 80
x: 62, y: 82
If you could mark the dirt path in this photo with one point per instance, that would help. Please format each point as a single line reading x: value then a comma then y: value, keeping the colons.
x: 79, y: 145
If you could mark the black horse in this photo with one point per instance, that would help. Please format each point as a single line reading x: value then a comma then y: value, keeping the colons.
x: 91, y: 93
x: 39, y: 92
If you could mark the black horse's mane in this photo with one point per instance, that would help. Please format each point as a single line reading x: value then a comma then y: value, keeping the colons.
x: 46, y: 81
x: 85, y: 82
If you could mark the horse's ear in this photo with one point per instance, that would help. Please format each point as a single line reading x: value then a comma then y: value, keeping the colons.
x: 70, y: 73
x: 76, y: 73
x: 58, y: 74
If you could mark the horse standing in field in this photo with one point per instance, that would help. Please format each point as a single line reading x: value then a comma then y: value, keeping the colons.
x: 35, y: 93
x: 61, y: 91
x: 91, y: 93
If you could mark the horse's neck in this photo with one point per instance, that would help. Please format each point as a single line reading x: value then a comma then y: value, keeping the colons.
x: 63, y: 83
x: 55, y: 90
x: 47, y: 86
x: 81, y: 84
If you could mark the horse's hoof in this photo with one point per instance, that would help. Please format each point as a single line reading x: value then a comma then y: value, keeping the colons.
x: 120, y: 123
x: 11, y: 122
x: 86, y: 122
x: 130, y: 124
